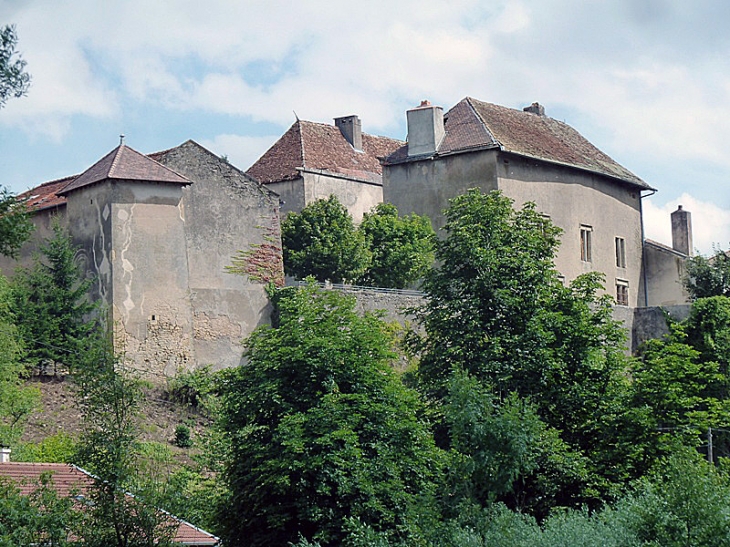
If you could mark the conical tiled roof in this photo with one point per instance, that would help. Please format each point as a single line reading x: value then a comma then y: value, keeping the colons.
x: 124, y: 163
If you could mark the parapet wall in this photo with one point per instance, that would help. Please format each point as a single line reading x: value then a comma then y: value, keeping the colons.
x: 641, y: 323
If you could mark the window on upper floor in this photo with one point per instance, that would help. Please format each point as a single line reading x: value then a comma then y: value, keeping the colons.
x: 586, y: 252
x: 620, y: 252
x: 622, y: 292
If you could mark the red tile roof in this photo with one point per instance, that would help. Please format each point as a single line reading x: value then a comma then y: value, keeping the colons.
x: 321, y: 147
x: 475, y: 125
x: 124, y: 163
x: 69, y: 479
x: 46, y: 195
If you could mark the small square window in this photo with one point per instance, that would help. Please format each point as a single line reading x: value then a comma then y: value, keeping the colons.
x: 586, y: 251
x: 622, y: 292
x: 620, y: 252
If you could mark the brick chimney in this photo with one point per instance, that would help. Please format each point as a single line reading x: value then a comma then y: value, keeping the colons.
x: 351, y: 129
x: 535, y: 108
x: 682, y: 231
x: 425, y: 129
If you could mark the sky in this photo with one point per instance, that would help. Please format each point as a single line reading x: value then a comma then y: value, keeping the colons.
x: 646, y: 81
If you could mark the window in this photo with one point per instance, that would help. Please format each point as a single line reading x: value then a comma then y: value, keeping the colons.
x: 622, y: 292
x: 586, y: 253
x: 620, y: 252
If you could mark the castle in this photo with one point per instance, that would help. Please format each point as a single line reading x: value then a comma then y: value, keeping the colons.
x: 157, y: 231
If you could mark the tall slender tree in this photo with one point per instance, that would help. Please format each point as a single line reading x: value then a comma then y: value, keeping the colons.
x: 52, y: 306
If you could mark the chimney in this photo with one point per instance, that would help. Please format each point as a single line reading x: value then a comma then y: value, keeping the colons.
x: 682, y: 231
x: 351, y: 129
x: 4, y: 455
x: 425, y: 129
x: 535, y: 108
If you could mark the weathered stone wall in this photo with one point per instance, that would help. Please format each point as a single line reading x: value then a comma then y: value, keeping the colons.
x: 225, y: 212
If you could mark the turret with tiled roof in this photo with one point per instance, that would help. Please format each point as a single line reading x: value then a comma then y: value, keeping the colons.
x: 124, y: 163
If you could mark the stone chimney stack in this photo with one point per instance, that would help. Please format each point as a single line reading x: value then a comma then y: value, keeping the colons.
x: 351, y: 129
x: 425, y: 129
x: 682, y: 231
x: 535, y: 108
x: 4, y: 455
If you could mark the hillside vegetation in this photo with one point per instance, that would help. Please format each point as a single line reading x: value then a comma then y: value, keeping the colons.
x: 521, y: 420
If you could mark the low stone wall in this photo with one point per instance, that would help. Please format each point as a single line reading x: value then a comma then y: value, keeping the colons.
x: 641, y: 324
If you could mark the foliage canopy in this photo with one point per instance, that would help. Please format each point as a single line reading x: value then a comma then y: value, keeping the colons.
x: 324, y: 436
x: 14, y: 81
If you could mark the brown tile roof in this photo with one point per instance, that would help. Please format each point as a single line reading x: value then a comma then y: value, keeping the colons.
x: 46, y: 195
x: 69, y: 479
x: 473, y: 125
x: 321, y: 147
x: 124, y: 163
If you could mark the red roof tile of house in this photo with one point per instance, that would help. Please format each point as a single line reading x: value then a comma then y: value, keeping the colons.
x: 46, y: 195
x: 68, y: 480
x: 321, y: 147
x: 124, y: 163
x: 475, y: 125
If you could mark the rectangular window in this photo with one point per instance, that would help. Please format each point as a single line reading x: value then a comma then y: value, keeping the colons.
x: 622, y: 292
x: 620, y: 252
x: 586, y: 253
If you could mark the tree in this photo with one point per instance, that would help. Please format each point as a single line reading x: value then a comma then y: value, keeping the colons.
x: 15, y: 224
x: 52, y: 305
x: 325, y: 439
x: 16, y: 401
x: 496, y: 310
x: 322, y: 241
x: 402, y: 248
x: 109, y: 400
x: 14, y: 81
x: 708, y: 276
x: 41, y: 518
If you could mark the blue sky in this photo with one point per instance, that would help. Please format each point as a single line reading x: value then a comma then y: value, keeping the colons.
x: 647, y: 81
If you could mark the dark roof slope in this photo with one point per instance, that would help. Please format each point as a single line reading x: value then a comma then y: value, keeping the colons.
x: 475, y: 125
x: 68, y: 479
x: 124, y: 163
x: 322, y: 147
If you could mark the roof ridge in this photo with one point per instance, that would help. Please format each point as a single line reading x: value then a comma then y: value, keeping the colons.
x: 483, y: 123
x: 117, y: 154
x: 301, y: 141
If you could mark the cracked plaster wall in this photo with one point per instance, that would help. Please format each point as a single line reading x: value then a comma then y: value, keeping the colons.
x: 225, y: 212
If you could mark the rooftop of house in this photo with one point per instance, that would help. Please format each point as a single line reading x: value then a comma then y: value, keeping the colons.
x: 476, y: 125
x: 322, y: 147
x: 68, y: 480
x: 124, y: 163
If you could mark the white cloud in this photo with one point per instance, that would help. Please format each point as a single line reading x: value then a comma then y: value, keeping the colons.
x: 241, y: 151
x: 710, y: 222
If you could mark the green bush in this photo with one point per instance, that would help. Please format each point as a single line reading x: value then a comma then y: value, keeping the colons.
x: 182, y: 436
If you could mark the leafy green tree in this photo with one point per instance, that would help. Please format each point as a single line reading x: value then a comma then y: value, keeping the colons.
x: 707, y: 277
x: 15, y: 223
x: 325, y: 440
x: 683, y: 503
x: 109, y: 399
x: 14, y: 81
x: 41, y: 518
x: 16, y: 400
x: 322, y: 242
x: 402, y: 248
x: 52, y: 307
x: 496, y: 310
